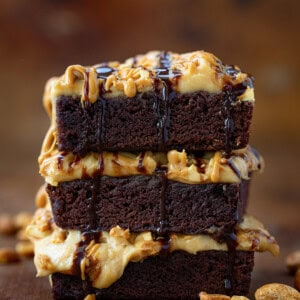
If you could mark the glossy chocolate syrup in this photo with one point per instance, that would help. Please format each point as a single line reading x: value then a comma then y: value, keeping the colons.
x: 141, y: 167
x: 233, y: 167
x: 60, y: 160
x: 164, y: 77
x: 162, y: 107
x: 92, y: 233
x: 200, y: 164
x: 87, y: 237
x: 104, y: 71
x: 86, y: 87
x: 230, y: 94
x: 161, y: 234
x: 231, y: 241
x: 74, y: 162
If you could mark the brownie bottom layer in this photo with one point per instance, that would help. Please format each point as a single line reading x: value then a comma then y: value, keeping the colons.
x: 176, y: 276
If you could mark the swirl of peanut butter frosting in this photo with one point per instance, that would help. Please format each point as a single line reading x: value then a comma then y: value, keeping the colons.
x: 211, y: 167
x: 189, y: 72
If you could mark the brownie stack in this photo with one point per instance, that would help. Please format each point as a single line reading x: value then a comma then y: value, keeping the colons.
x: 147, y: 168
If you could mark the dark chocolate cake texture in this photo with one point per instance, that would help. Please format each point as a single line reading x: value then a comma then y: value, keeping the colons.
x: 147, y: 169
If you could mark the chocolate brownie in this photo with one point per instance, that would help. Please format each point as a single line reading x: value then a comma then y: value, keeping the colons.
x: 143, y: 203
x: 158, y: 101
x: 177, y: 276
x: 148, y: 167
x: 196, y: 121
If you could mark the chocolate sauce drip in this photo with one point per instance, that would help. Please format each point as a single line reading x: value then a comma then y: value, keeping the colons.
x: 87, y: 237
x: 200, y: 165
x: 164, y: 76
x: 86, y: 87
x: 140, y: 166
x: 231, y: 92
x: 233, y: 167
x: 231, y: 71
x: 60, y: 159
x: 231, y: 241
x: 164, y: 241
x: 228, y: 122
x: 257, y: 155
x: 104, y: 71
x: 163, y: 221
x: 134, y: 61
x: 91, y: 208
x: 101, y: 127
x: 85, y: 174
x: 162, y: 107
x: 101, y: 164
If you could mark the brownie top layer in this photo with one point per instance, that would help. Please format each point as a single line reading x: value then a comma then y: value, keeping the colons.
x: 191, y: 168
x: 185, y: 73
x: 103, y: 256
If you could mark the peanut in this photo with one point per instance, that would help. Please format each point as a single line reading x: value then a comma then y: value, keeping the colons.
x: 205, y: 296
x: 8, y: 255
x: 22, y: 219
x: 90, y: 297
x: 25, y: 249
x: 7, y: 224
x: 276, y: 291
x: 293, y: 261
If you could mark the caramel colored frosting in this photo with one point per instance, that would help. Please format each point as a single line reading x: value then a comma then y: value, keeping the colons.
x: 106, y: 255
x: 188, y: 72
x: 210, y: 167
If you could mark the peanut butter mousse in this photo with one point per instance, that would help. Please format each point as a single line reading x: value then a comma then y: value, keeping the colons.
x: 107, y: 254
x: 188, y: 72
x: 210, y: 167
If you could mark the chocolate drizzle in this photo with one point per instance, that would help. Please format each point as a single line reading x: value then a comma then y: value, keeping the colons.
x: 140, y: 166
x: 163, y: 216
x: 233, y: 167
x: 60, y: 161
x: 161, y: 234
x: 92, y: 233
x: 231, y: 241
x: 200, y: 164
x: 228, y: 120
x: 163, y: 79
x: 86, y: 238
x: 92, y: 203
x: 104, y: 71
x: 230, y: 94
x: 86, y: 87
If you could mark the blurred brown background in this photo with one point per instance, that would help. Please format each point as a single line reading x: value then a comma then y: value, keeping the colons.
x: 39, y: 39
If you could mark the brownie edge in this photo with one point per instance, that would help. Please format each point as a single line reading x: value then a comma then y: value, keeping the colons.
x: 177, y: 276
x: 195, y: 123
x: 135, y: 202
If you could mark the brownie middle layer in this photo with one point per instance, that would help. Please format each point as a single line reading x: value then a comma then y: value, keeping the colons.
x: 194, y: 121
x: 148, y: 203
